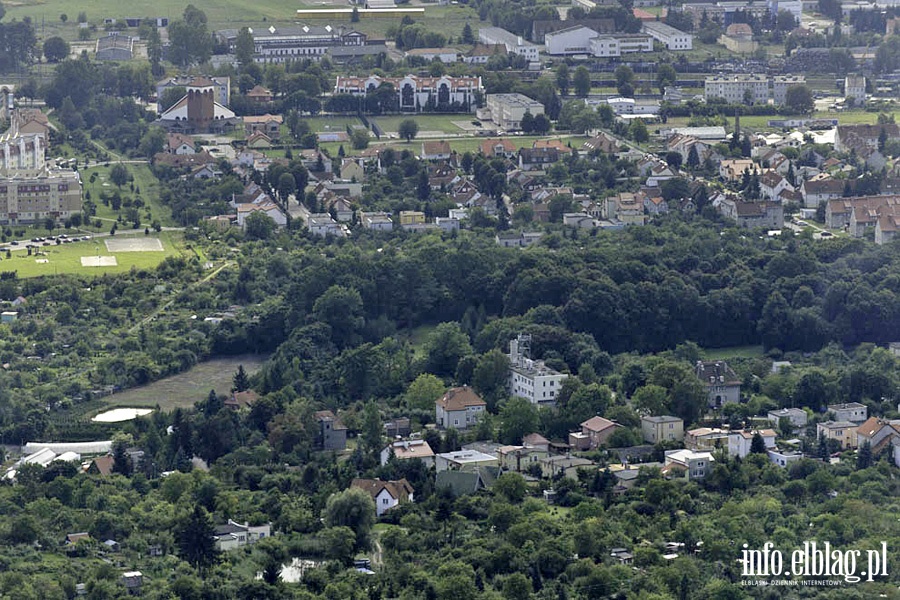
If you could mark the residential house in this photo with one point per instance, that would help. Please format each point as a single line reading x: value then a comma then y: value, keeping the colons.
x: 204, y: 172
x: 878, y: 433
x: 238, y: 400
x: 464, y: 460
x: 481, y: 53
x: 504, y: 148
x: 738, y: 38
x: 386, y: 494
x: 626, y: 208
x: 532, y: 379
x: 682, y: 144
x: 268, y: 124
x: 664, y: 428
x: 520, y: 458
x: 537, y: 159
x: 537, y: 441
x: 706, y: 438
x: 75, y: 538
x: 332, y: 433
x: 815, y: 191
x: 797, y: 416
x: 378, y: 221
x: 855, y: 89
x: 594, y: 433
x: 722, y: 383
x: 460, y: 408
x: 660, y: 172
x: 177, y: 143
x: 655, y: 205
x: 439, y: 150
x: 849, y: 411
x: 750, y: 215
x: 258, y: 140
x: 260, y: 95
x: 102, y: 465
x: 518, y: 239
x: 322, y: 224
x: 602, y: 143
x: 863, y: 137
x: 465, y: 483
x: 784, y: 458
x: 397, y: 428
x: 563, y: 466
x: 688, y: 464
x: 270, y: 209
x: 771, y: 184
x: 411, y: 217
x: 732, y: 169
x: 236, y: 535
x: 133, y: 580
x: 842, y: 431
x: 740, y: 442
x: 407, y: 450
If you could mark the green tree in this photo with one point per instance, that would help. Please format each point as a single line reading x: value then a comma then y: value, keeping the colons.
x: 652, y: 399
x: 581, y: 81
x: 491, y: 376
x: 666, y: 76
x: 359, y: 139
x: 625, y: 80
x: 55, y: 49
x: 443, y: 348
x: 371, y: 428
x: 864, y: 456
x: 541, y: 124
x: 355, y: 509
x: 799, y: 99
x: 354, y: 15
x: 518, y: 418
x: 467, y: 36
x: 638, y: 131
x: 516, y: 587
x: 119, y: 175
x: 259, y: 226
x: 244, y: 47
x: 287, y: 185
x: 424, y: 391
x: 240, y: 382
x: 342, y: 309
x: 408, y: 129
x: 153, y: 142
x: 195, y: 538
x: 562, y: 79
x: 757, y: 444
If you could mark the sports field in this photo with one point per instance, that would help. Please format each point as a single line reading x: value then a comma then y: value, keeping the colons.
x: 98, y: 255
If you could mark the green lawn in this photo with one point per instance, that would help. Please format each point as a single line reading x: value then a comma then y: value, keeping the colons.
x: 66, y: 258
x: 183, y: 389
x: 331, y: 124
x: 464, y: 144
x: 426, y: 122
x: 146, y: 187
x: 733, y: 352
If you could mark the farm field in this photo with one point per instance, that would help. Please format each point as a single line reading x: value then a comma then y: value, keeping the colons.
x: 183, y: 389
x: 67, y: 258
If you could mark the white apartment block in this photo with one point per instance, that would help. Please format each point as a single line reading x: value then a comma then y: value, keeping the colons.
x: 855, y: 89
x: 617, y: 44
x: 507, y: 110
x: 514, y: 43
x: 780, y: 85
x: 671, y: 38
x: 532, y: 379
x: 569, y: 41
x: 284, y: 44
x: 734, y: 88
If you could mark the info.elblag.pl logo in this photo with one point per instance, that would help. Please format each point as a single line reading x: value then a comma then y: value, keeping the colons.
x: 815, y: 560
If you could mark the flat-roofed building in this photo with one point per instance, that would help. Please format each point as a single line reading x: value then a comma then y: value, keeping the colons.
x: 507, y: 110
x: 737, y: 89
x: 514, y: 43
x: 670, y: 37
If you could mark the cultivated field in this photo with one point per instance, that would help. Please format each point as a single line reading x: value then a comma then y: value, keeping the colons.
x: 184, y: 389
x: 67, y: 258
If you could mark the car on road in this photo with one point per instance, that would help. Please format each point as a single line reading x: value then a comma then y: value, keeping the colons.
x: 826, y: 234
x: 14, y: 243
x: 802, y: 223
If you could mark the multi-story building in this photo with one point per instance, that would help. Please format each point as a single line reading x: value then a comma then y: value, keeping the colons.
x: 780, y: 85
x: 569, y: 41
x: 235, y: 535
x: 32, y: 189
x: 616, y: 44
x: 459, y: 408
x: 740, y: 442
x: 221, y: 88
x: 416, y: 94
x: 532, y: 379
x: 737, y: 89
x: 706, y: 438
x: 283, y: 44
x: 722, y: 383
x: 855, y: 89
x: 514, y: 43
x: 662, y: 429
x: 797, y: 416
x: 842, y: 431
x: 853, y: 412
x: 507, y: 110
x: 723, y: 12
x: 694, y: 465
x: 332, y: 433
x: 670, y: 37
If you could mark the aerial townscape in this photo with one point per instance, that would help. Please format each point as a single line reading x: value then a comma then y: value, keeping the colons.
x: 450, y: 300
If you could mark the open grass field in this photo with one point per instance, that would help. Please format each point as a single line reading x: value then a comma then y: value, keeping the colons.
x: 325, y: 124
x: 182, y: 390
x: 443, y: 123
x: 733, y: 352
x: 67, y: 258
x: 146, y: 187
x: 463, y: 144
